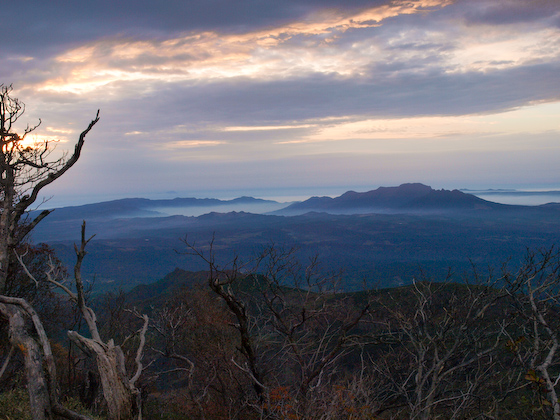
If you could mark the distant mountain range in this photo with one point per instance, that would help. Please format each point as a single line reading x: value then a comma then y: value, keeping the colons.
x: 143, y: 207
x: 384, y: 237
x: 413, y: 198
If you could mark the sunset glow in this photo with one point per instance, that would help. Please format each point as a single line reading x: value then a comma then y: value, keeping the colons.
x: 287, y: 86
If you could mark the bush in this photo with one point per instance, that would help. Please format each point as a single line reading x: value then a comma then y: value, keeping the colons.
x: 14, y: 405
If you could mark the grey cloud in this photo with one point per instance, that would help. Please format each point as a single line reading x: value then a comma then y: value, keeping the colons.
x: 157, y: 108
x: 246, y: 102
x: 199, y: 112
x: 420, y: 46
x: 510, y: 11
x: 44, y: 28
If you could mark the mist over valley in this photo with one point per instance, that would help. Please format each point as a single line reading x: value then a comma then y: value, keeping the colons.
x: 382, y: 238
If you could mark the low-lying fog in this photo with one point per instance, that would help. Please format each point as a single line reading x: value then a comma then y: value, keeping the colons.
x: 258, y: 208
x: 521, y: 198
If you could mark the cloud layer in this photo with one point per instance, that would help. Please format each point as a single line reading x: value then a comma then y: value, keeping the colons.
x: 206, y: 96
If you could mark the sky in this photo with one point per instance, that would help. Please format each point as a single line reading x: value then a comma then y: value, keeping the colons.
x: 291, y: 98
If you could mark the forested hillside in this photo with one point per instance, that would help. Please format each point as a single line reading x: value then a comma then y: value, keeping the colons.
x: 230, y: 344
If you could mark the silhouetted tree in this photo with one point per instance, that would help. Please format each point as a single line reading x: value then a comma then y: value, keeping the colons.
x: 24, y: 172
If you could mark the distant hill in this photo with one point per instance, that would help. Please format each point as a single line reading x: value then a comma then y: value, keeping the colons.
x: 143, y: 207
x: 412, y: 198
x: 406, y: 198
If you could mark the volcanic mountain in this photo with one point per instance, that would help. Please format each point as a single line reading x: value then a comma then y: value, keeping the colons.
x: 406, y: 198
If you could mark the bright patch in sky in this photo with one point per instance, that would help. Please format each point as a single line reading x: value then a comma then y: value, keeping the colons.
x: 491, y: 49
x: 450, y: 93
x: 310, y: 46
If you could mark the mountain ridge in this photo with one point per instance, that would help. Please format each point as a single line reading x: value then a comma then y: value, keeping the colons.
x: 144, y: 207
x: 410, y: 197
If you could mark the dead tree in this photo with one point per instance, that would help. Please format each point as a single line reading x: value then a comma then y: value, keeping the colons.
x: 535, y: 289
x: 119, y: 390
x: 40, y: 368
x: 24, y: 172
x: 169, y: 325
x: 221, y: 282
x: 192, y: 338
x: 440, y: 347
x: 316, y: 324
x: 293, y: 328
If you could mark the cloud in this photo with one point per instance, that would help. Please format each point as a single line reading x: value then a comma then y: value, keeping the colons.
x: 42, y: 28
x: 507, y: 12
x: 182, y: 144
x: 247, y: 102
x: 375, y: 61
x: 245, y: 91
x: 311, y: 45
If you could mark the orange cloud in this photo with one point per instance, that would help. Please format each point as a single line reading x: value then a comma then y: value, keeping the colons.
x: 297, y: 48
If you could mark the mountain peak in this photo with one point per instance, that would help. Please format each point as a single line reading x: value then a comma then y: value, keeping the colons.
x: 413, y: 187
x: 406, y: 198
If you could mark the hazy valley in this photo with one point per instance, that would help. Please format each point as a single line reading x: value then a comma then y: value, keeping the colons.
x: 383, y: 237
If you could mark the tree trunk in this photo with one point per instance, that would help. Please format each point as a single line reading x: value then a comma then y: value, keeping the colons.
x: 6, y: 228
x: 121, y: 396
x: 37, y: 386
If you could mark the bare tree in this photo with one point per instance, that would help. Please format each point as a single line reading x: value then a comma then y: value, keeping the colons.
x: 535, y: 289
x: 42, y: 387
x: 440, y: 347
x: 294, y: 328
x: 196, y: 349
x: 24, y: 172
x: 119, y: 390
